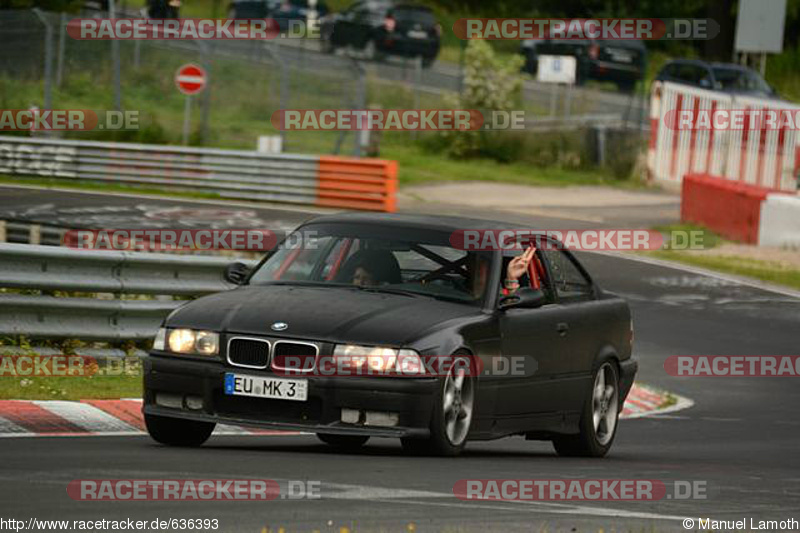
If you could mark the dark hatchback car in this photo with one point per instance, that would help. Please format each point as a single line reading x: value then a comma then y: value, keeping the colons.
x: 363, y: 292
x: 621, y: 62
x: 379, y: 28
x: 726, y: 77
x: 281, y: 11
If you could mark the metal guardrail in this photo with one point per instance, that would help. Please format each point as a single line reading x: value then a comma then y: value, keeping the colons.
x: 237, y: 174
x: 105, y: 276
x: 231, y: 173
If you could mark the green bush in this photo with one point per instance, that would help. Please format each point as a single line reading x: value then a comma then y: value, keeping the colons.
x: 489, y: 85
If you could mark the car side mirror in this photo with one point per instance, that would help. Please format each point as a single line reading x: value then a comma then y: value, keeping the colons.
x: 525, y: 298
x: 236, y: 273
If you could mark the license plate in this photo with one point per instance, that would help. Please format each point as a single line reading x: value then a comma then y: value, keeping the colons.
x: 620, y: 56
x: 417, y: 34
x: 266, y: 387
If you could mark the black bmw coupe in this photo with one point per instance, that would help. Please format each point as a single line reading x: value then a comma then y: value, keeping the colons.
x: 367, y: 325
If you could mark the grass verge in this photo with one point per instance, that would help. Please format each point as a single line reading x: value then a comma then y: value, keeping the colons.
x: 70, y: 388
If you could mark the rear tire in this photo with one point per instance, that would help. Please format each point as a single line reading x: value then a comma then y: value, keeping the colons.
x: 178, y: 431
x: 599, y: 419
x: 343, y: 442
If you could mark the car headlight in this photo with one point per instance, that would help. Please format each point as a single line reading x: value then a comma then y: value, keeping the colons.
x: 187, y: 341
x: 378, y: 359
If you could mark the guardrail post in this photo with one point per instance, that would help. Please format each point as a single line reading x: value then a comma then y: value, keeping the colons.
x: 361, y: 101
x: 35, y: 234
x: 48, y: 58
x: 115, y: 65
x: 205, y: 49
x: 62, y: 43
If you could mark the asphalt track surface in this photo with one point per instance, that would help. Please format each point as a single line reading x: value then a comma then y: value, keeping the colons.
x: 740, y: 438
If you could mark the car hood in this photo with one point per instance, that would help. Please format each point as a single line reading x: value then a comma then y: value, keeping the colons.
x: 319, y: 313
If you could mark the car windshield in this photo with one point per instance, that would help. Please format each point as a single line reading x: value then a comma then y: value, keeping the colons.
x: 729, y: 79
x: 413, y: 264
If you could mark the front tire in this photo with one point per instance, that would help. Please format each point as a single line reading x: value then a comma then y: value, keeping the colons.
x: 598, y: 424
x: 452, y: 415
x: 178, y: 431
x: 343, y: 442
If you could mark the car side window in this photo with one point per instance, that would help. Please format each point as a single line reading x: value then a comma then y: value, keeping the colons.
x: 693, y: 74
x: 569, y: 282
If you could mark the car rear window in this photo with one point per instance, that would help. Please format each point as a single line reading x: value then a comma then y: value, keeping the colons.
x: 414, y: 14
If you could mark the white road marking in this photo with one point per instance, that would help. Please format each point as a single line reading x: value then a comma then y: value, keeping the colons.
x: 400, y: 496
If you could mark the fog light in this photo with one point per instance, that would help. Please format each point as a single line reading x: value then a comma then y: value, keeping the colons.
x: 350, y: 416
x: 173, y: 401
x: 375, y: 418
x: 194, y: 402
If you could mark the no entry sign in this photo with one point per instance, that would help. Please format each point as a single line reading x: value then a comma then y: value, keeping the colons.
x: 190, y: 79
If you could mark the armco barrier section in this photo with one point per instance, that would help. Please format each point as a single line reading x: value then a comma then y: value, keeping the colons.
x: 110, y: 273
x: 759, y: 157
x: 729, y: 208
x: 328, y: 181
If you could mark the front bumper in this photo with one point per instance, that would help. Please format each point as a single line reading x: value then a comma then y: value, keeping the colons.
x: 411, y: 399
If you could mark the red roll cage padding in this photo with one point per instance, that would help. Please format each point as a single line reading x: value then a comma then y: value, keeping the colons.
x: 287, y: 262
x: 339, y: 258
x: 536, y: 271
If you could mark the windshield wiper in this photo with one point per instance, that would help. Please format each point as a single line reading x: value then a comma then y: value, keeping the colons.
x: 387, y: 290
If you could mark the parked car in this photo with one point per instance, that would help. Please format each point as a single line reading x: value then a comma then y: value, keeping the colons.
x: 163, y: 9
x: 621, y: 62
x: 282, y: 11
x: 295, y: 10
x: 726, y: 77
x: 380, y: 28
x: 367, y: 291
x: 250, y: 9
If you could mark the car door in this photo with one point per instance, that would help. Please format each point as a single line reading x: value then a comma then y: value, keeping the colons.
x: 533, y: 338
x: 581, y: 327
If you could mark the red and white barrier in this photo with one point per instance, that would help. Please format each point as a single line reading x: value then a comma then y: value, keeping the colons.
x: 764, y: 157
x: 740, y: 211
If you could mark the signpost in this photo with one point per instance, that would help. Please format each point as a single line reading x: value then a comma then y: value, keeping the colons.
x: 759, y: 29
x: 190, y: 80
x: 558, y: 70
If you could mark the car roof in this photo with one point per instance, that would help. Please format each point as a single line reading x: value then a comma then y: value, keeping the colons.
x: 715, y: 64
x: 412, y: 221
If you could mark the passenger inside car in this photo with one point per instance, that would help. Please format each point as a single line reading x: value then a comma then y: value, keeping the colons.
x: 368, y: 268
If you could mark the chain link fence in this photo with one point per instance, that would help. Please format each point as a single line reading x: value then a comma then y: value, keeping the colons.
x: 248, y: 81
x: 44, y: 67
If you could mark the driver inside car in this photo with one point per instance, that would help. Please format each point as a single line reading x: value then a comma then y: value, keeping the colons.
x: 478, y: 269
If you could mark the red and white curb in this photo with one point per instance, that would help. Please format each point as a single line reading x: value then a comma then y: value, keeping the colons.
x: 644, y: 400
x: 51, y: 418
